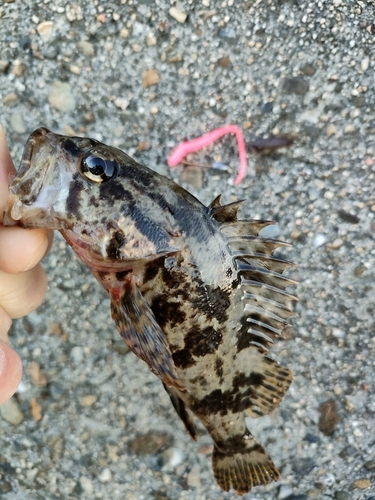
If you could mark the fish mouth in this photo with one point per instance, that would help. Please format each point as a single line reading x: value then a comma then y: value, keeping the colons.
x: 33, y: 175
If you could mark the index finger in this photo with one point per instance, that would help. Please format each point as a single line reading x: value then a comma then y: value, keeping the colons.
x: 7, y: 172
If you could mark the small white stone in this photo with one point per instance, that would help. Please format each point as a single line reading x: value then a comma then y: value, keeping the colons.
x: 11, y: 413
x: 86, y: 484
x: 45, y: 30
x: 61, y: 96
x: 121, y: 103
x: 77, y: 354
x: 73, y: 12
x: 331, y: 130
x: 17, y: 123
x: 86, y: 48
x: 193, y: 478
x: 178, y: 14
x: 329, y: 480
x: 105, y: 476
x: 173, y: 457
x: 365, y: 64
x: 349, y: 129
x: 320, y: 240
x: 338, y: 333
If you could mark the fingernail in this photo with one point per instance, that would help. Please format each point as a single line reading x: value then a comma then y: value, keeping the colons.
x: 2, y: 360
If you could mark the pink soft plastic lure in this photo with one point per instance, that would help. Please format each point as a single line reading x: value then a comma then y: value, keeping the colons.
x: 200, y: 142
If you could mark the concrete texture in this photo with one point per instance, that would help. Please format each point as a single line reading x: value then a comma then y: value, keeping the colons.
x: 89, y: 420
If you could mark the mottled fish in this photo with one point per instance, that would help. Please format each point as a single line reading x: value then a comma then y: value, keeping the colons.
x: 195, y: 292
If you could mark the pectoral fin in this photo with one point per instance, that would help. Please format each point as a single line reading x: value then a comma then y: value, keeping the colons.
x: 142, y: 334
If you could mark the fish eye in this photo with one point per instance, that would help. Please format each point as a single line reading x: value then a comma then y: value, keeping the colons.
x: 98, y: 169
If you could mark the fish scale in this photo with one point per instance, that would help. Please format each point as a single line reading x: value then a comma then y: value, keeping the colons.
x: 195, y: 292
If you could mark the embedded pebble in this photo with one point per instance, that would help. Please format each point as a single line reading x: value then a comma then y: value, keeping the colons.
x: 338, y: 333
x: 365, y: 64
x: 77, y: 354
x: 308, y: 70
x: 295, y: 85
x: 11, y: 412
x: 362, y: 484
x: 193, y: 478
x: 57, y: 446
x: 302, y: 466
x: 370, y: 465
x: 228, y: 34
x: 285, y: 491
x: 313, y: 193
x: 172, y: 457
x: 5, y: 487
x: 342, y: 495
x: 329, y: 480
x: 331, y: 130
x: 178, y: 14
x: 150, y: 77
x: 336, y: 244
x: 105, y: 476
x: 88, y: 400
x: 121, y: 103
x: 319, y: 240
x: 73, y: 12
x: 86, y: 48
x: 329, y: 417
x: 17, y: 123
x: 61, y: 97
x: 36, y: 409
x: 150, y: 443
x: 10, y: 98
x: 86, y: 484
x: 349, y: 129
x: 311, y: 438
x: 348, y: 217
x: 4, y: 65
x: 45, y: 30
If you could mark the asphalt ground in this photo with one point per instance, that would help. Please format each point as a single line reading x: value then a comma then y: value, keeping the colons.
x: 89, y: 420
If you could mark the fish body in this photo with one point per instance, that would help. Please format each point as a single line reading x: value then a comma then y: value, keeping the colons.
x: 195, y: 292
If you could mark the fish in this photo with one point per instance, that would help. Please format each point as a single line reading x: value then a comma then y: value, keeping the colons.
x: 195, y: 292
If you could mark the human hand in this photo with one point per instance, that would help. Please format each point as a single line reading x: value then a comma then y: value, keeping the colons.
x: 23, y: 282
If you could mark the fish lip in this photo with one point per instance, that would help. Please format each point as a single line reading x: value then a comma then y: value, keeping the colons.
x: 13, y: 211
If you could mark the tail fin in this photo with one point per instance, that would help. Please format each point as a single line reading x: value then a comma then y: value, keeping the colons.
x: 244, y: 468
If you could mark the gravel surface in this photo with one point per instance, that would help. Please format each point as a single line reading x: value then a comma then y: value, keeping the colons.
x: 89, y: 420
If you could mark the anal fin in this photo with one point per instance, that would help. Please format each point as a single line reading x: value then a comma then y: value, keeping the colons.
x: 142, y: 334
x: 243, y: 466
x: 182, y: 412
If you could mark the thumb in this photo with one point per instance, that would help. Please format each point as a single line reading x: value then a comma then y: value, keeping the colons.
x: 10, y: 372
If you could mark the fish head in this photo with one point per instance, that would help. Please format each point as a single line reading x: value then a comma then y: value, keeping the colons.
x: 58, y: 177
x: 86, y: 190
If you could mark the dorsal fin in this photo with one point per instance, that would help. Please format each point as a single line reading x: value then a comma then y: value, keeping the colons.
x: 245, y: 227
x: 224, y: 213
x: 215, y: 202
x: 267, y: 305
